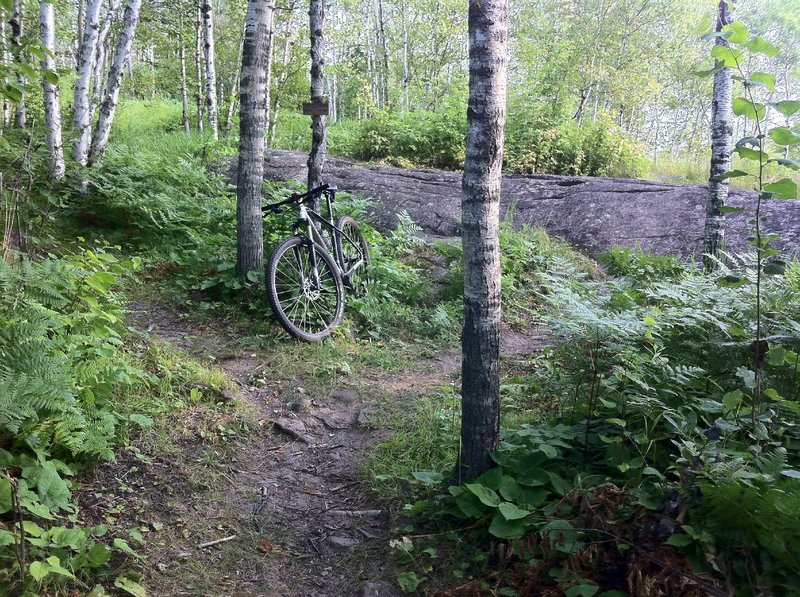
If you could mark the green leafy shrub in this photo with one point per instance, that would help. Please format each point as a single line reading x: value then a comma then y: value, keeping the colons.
x: 642, y: 267
x: 536, y: 145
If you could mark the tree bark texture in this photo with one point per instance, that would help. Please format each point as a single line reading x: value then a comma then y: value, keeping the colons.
x: 52, y: 103
x: 6, y: 60
x: 480, y: 209
x: 184, y: 84
x: 270, y: 61
x: 82, y: 114
x: 101, y: 54
x: 111, y: 94
x: 16, y: 22
x: 721, y: 142
x: 211, y: 71
x: 198, y: 65
x: 316, y: 159
x: 252, y: 131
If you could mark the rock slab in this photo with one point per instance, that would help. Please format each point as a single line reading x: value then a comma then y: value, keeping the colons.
x: 592, y: 214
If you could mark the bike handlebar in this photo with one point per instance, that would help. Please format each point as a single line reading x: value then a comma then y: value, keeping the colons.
x: 298, y: 198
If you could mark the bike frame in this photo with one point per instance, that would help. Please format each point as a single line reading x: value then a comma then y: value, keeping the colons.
x: 313, y: 224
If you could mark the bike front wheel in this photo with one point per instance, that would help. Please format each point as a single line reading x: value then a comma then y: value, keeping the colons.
x: 352, y: 247
x: 304, y: 289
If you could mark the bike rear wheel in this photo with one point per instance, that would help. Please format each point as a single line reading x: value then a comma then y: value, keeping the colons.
x: 308, y: 301
x: 352, y: 252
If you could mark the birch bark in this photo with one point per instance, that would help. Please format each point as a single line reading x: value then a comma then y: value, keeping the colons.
x: 82, y: 115
x: 252, y: 130
x: 52, y: 103
x: 211, y: 71
x: 111, y: 95
x: 16, y: 23
x: 198, y: 65
x: 316, y: 159
x: 6, y: 58
x: 480, y: 207
x: 721, y: 141
x: 184, y: 84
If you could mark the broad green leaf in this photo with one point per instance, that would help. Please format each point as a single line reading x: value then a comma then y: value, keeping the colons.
x: 777, y: 356
x: 98, y: 555
x: 733, y: 174
x: 129, y: 586
x: 562, y: 536
x: 738, y: 32
x: 6, y: 538
x: 752, y: 141
x: 39, y: 570
x: 708, y: 72
x: 732, y: 399
x: 679, y: 540
x: 785, y: 188
x: 509, y: 488
x: 729, y: 209
x: 491, y: 478
x: 762, y: 46
x: 765, y: 79
x: 775, y: 268
x: 748, y: 109
x: 428, y: 478
x: 791, y: 164
x: 582, y: 590
x: 141, y: 420
x: 791, y: 473
x: 470, y: 505
x: 5, y: 496
x: 507, y: 529
x: 123, y: 546
x: 751, y: 154
x: 729, y: 57
x: 731, y: 281
x: 558, y: 483
x: 512, y: 512
x: 101, y: 281
x: 50, y: 76
x: 484, y: 494
x: 787, y: 107
x: 784, y: 136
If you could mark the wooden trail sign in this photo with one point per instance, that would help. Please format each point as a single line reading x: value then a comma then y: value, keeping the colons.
x: 316, y: 109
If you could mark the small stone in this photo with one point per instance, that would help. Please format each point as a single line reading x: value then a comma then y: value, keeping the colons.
x: 342, y: 543
x: 295, y: 425
x: 183, y: 555
x: 345, y: 396
x: 365, y: 414
x: 380, y: 588
x: 303, y: 405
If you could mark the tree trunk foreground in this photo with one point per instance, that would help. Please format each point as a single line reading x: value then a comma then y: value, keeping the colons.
x: 480, y: 209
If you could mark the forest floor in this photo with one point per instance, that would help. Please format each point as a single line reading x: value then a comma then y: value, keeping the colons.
x: 273, y: 499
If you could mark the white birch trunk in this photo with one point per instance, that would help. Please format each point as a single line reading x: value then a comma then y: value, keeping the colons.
x: 486, y: 115
x: 52, y: 103
x: 111, y: 95
x: 82, y: 114
x: 316, y: 159
x: 16, y: 24
x: 101, y: 53
x: 721, y: 147
x: 276, y: 109
x: 184, y: 84
x: 270, y: 60
x: 6, y: 58
x: 198, y: 65
x: 252, y: 131
x: 211, y: 71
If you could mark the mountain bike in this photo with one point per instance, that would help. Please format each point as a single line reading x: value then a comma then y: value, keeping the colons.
x: 307, y: 273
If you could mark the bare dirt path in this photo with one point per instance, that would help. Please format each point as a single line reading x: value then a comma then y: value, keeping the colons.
x: 283, y: 510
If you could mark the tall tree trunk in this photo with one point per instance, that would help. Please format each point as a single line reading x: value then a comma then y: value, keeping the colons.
x: 384, y: 56
x: 111, y: 95
x: 184, y: 85
x: 52, y: 103
x: 82, y: 115
x: 252, y: 129
x: 16, y: 23
x: 721, y: 141
x: 405, y: 63
x: 211, y: 71
x: 101, y: 55
x: 270, y: 60
x: 79, y: 32
x: 316, y: 159
x: 198, y: 65
x: 486, y: 115
x: 6, y: 60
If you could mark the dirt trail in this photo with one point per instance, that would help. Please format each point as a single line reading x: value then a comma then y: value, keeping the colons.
x: 290, y: 493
